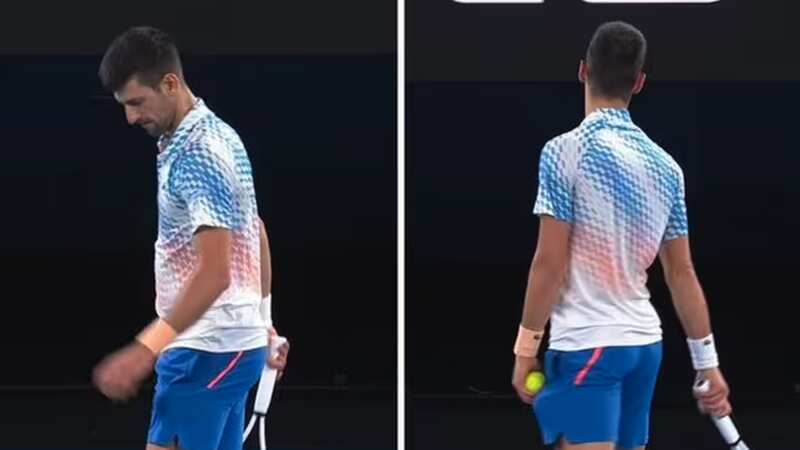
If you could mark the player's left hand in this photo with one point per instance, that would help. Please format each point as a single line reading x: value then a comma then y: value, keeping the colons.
x: 715, y: 400
x: 279, y: 360
x: 119, y: 375
x: 522, y: 367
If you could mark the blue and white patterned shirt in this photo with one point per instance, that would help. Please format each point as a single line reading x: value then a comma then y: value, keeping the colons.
x: 205, y: 179
x: 623, y: 196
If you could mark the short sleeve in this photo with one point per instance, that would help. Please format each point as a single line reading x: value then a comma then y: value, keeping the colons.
x: 677, y: 223
x: 556, y: 193
x: 206, y: 184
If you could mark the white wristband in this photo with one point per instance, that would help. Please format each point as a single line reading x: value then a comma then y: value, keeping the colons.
x: 265, y: 308
x: 704, y: 354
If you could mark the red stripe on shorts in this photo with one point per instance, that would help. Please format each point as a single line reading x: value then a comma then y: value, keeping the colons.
x: 598, y: 352
x: 225, y: 371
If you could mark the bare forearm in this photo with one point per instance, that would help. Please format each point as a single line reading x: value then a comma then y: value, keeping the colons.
x: 205, y: 286
x: 541, y: 295
x: 690, y: 303
x: 266, y: 261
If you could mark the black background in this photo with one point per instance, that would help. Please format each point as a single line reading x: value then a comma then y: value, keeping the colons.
x: 310, y: 86
x: 489, y: 85
x: 211, y: 27
x: 729, y: 40
x: 318, y: 117
x: 471, y: 234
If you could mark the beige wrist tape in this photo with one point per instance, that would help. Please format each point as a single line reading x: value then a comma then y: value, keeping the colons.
x: 157, y: 335
x: 528, y: 342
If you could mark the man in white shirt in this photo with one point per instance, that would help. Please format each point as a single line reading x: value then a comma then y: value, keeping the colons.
x: 212, y: 266
x: 610, y: 200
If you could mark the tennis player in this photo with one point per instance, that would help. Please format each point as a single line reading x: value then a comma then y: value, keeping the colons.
x: 212, y: 264
x: 610, y: 200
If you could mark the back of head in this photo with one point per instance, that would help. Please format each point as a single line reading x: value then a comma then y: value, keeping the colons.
x: 144, y: 52
x: 614, y: 58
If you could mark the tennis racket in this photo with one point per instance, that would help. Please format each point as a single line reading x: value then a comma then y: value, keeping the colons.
x: 266, y: 386
x: 724, y: 424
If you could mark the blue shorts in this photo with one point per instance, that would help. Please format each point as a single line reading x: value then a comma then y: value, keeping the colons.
x: 598, y: 395
x: 200, y: 397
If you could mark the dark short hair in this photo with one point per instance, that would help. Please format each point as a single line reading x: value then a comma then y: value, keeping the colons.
x: 615, y: 57
x: 144, y: 52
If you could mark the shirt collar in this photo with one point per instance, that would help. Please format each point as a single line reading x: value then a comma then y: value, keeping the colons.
x: 167, y: 142
x: 618, y: 115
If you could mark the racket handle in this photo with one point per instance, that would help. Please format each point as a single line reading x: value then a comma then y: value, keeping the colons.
x: 727, y: 429
x: 724, y: 424
x: 266, y: 385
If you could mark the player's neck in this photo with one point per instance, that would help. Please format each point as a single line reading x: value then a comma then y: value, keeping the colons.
x: 186, y: 102
x: 595, y: 103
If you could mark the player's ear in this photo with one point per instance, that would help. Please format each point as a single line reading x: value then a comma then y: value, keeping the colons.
x: 170, y: 84
x: 583, y: 72
x: 639, y: 84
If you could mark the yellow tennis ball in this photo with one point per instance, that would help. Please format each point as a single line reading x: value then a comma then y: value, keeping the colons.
x: 534, y: 382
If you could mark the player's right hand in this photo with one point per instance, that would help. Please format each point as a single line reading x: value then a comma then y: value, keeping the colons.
x: 121, y: 373
x: 522, y: 367
x: 715, y: 400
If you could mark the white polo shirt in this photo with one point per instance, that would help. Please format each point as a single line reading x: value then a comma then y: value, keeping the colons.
x: 205, y: 179
x: 623, y: 196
